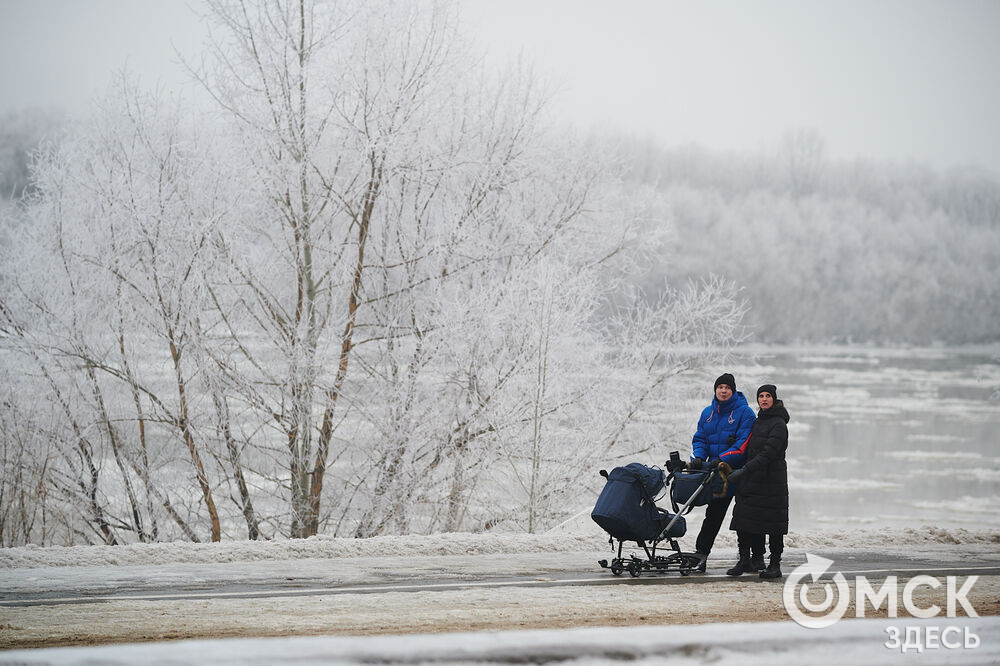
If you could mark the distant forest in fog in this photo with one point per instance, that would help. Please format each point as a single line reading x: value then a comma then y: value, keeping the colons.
x: 833, y: 252
x: 824, y: 251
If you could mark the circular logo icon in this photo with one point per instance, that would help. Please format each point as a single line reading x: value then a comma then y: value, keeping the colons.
x: 796, y: 593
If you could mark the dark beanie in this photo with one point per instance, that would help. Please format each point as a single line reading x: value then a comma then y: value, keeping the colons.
x: 769, y: 388
x: 726, y: 379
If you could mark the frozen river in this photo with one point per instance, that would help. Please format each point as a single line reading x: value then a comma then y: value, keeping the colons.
x: 887, y: 437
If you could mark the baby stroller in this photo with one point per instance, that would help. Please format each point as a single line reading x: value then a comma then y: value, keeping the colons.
x: 626, y: 509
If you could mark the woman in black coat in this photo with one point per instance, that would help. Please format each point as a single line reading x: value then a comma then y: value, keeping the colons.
x: 762, y: 491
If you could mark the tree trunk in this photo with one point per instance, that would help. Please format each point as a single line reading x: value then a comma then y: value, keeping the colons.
x: 185, y: 427
x: 245, y: 503
x: 326, y: 432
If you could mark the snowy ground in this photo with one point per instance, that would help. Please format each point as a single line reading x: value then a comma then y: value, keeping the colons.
x: 206, y: 591
x: 854, y: 642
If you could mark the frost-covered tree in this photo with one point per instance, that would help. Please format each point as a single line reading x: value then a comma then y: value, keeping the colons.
x: 367, y: 292
x: 106, y: 290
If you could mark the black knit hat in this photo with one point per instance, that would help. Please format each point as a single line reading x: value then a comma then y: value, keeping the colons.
x: 769, y: 388
x: 726, y: 379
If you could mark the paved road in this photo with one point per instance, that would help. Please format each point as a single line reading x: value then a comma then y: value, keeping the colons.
x: 875, y: 566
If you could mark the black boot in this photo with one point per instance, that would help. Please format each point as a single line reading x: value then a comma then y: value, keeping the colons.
x: 703, y: 563
x: 743, y: 565
x: 773, y: 569
x: 756, y: 563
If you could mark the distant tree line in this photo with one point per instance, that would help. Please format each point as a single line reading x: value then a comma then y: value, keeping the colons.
x: 824, y: 251
x: 21, y: 133
x: 830, y: 251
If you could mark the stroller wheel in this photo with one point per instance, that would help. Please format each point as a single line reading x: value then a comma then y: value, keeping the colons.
x: 616, y: 567
x: 634, y: 568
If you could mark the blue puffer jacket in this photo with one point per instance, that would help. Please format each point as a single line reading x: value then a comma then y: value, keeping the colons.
x: 722, y: 429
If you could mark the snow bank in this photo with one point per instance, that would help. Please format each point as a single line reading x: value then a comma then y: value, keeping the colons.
x: 889, y: 539
x: 767, y: 643
x: 575, y: 537
x: 321, y: 547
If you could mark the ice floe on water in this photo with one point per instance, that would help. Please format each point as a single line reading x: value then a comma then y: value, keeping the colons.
x: 824, y: 461
x: 842, y: 485
x: 936, y: 438
x: 957, y: 456
x: 845, y: 359
x: 965, y: 504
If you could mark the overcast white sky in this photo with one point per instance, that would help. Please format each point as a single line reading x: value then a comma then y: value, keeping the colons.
x: 882, y: 79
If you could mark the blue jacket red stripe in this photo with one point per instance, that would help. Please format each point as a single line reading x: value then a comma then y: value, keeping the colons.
x: 723, y: 429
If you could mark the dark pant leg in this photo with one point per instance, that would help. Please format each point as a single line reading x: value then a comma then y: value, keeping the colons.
x: 757, y: 545
x: 743, y: 543
x: 715, y: 513
x: 777, y: 542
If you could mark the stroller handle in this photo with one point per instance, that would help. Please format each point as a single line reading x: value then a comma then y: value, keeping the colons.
x: 720, y: 469
x: 678, y: 512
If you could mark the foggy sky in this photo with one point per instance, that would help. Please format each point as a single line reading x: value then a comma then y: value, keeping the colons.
x: 897, y: 80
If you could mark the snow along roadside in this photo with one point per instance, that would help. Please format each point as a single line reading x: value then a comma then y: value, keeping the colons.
x: 582, y: 538
x: 766, y: 643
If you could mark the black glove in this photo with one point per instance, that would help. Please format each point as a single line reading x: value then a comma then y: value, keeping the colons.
x: 696, y: 463
x: 735, y: 475
x: 713, y: 463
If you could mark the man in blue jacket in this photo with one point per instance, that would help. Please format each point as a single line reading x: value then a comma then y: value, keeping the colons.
x: 724, y: 426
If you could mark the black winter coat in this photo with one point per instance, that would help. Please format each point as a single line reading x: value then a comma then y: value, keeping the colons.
x: 762, y: 493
